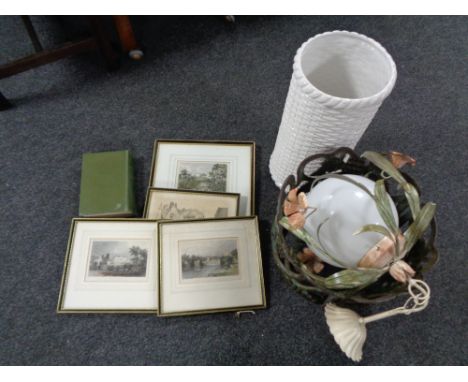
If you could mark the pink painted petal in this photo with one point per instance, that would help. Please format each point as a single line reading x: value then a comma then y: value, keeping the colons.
x: 302, y: 201
x: 401, y: 271
x: 318, y: 266
x: 306, y: 255
x: 292, y: 195
x: 296, y: 220
x: 290, y: 208
x: 399, y: 159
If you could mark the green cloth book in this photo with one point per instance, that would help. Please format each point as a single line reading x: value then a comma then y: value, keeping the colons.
x: 107, y: 188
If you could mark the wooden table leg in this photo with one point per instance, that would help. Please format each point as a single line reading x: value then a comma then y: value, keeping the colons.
x: 4, y: 103
x: 127, y: 37
x: 103, y: 41
x: 32, y: 34
x: 100, y: 41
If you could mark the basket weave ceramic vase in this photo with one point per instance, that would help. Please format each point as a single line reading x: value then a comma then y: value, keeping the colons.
x: 339, y: 81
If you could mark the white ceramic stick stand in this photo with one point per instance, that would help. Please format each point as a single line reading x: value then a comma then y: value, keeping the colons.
x: 339, y: 81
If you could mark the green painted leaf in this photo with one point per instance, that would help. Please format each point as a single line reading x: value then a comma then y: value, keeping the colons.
x: 385, y: 165
x: 308, y: 288
x: 303, y: 235
x: 382, y: 200
x: 353, y: 278
x: 413, y: 198
x: 298, y: 232
x: 419, y: 226
x: 319, y: 280
x: 374, y: 228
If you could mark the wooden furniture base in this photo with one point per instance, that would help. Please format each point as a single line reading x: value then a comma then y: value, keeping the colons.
x: 127, y: 37
x: 4, y: 103
x: 46, y: 57
x: 99, y: 41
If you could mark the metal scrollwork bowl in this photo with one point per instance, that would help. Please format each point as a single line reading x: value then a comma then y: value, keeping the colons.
x: 286, y: 246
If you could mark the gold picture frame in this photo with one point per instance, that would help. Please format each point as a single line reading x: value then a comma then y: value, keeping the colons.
x: 193, y: 207
x: 247, y: 191
x: 249, y: 279
x: 61, y: 309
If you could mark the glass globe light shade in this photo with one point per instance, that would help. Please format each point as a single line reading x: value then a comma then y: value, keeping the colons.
x: 342, y: 209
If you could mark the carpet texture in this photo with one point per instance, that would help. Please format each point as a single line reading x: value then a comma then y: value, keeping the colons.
x: 202, y: 78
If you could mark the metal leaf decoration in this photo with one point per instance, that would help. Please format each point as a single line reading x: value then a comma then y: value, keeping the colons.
x: 419, y: 226
x: 375, y: 228
x: 353, y: 278
x: 307, y: 238
x: 298, y: 232
x: 382, y: 200
x: 385, y: 165
x: 413, y: 198
x: 318, y: 279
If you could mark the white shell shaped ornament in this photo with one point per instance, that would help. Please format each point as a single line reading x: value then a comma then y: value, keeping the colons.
x: 348, y: 330
x: 342, y: 209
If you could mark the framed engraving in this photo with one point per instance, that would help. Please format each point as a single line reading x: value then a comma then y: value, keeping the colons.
x: 110, y: 267
x: 173, y: 204
x: 111, y: 259
x: 210, y: 166
x: 208, y: 258
x: 202, y: 176
x: 208, y: 266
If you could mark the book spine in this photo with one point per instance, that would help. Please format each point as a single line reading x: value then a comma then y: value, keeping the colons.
x: 130, y: 185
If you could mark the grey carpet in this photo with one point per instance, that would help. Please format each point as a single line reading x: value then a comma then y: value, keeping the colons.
x: 204, y: 79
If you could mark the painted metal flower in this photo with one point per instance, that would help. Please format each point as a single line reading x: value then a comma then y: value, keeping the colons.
x: 401, y: 271
x: 295, y: 207
x: 399, y: 159
x: 312, y: 262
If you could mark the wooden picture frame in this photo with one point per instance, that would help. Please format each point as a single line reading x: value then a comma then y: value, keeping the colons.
x: 173, y: 204
x: 110, y: 267
x: 215, y: 166
x: 210, y: 266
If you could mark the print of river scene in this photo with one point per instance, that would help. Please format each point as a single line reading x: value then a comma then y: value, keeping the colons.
x: 209, y: 258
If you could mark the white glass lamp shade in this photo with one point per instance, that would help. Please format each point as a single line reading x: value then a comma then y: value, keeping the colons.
x: 342, y: 209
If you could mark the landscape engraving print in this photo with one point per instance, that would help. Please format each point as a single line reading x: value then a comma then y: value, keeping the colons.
x: 202, y: 176
x: 209, y: 258
x: 118, y: 258
x: 173, y: 212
